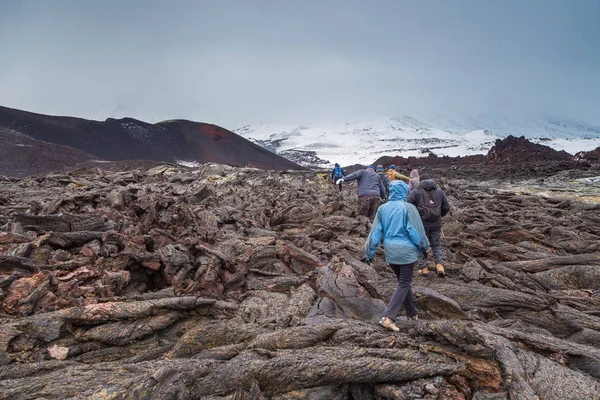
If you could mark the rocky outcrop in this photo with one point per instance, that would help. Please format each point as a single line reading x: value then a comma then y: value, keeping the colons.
x: 230, y: 283
x: 509, y: 158
x: 517, y: 149
x: 592, y: 156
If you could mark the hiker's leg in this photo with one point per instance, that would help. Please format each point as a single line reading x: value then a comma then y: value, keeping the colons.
x: 373, y: 206
x: 409, y: 302
x: 404, y: 274
x: 363, y: 206
x: 435, y: 241
x: 422, y: 263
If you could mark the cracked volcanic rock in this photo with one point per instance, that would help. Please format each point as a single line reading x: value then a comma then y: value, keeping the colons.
x: 230, y: 283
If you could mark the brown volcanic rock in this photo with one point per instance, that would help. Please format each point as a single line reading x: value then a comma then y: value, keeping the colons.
x: 242, y: 283
x: 127, y: 139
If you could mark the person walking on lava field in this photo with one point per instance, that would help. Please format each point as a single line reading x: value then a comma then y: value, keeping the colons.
x: 394, y: 175
x: 414, y: 180
x: 370, y: 190
x: 399, y: 225
x: 432, y: 204
x: 384, y: 179
x: 337, y: 173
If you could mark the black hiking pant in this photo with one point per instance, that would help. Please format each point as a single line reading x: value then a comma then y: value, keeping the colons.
x: 435, y: 241
x: 403, y: 296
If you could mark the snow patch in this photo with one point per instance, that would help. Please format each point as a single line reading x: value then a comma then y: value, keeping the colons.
x: 190, y: 164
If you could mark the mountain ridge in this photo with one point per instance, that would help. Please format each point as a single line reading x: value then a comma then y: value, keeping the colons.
x: 128, y: 138
x: 359, y: 141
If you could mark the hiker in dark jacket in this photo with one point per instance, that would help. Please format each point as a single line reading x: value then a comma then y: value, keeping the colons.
x: 370, y: 191
x: 432, y: 204
x: 337, y: 173
x: 384, y: 178
x: 399, y: 226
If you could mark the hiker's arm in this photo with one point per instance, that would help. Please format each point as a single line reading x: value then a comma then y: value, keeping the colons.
x: 445, y: 204
x: 374, y: 238
x: 354, y: 176
x: 403, y: 178
x: 381, y: 189
x: 415, y: 219
x: 412, y: 197
x: 343, y: 173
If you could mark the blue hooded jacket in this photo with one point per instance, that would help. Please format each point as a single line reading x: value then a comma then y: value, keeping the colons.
x: 399, y: 225
x: 337, y: 172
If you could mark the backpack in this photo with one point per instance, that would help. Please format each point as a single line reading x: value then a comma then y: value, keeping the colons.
x: 430, y: 206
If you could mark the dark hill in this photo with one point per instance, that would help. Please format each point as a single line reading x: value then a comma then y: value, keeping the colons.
x: 510, y: 156
x: 127, y: 138
x: 518, y: 149
x: 593, y: 155
x: 22, y: 155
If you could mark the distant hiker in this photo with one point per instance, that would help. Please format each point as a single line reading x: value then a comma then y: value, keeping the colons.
x: 394, y: 175
x: 384, y: 179
x: 432, y: 204
x: 399, y: 225
x: 370, y: 190
x: 414, y: 180
x: 337, y: 173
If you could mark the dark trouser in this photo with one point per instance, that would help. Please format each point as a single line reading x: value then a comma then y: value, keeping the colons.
x: 367, y: 206
x: 403, y: 296
x: 340, y: 186
x: 435, y: 241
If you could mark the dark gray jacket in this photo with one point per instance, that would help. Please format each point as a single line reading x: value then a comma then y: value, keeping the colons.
x: 369, y: 183
x: 386, y: 182
x: 415, y: 196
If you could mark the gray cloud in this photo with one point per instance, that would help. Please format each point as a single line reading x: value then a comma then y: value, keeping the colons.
x: 234, y: 62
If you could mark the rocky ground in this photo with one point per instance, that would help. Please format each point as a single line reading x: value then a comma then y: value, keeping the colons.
x: 228, y: 283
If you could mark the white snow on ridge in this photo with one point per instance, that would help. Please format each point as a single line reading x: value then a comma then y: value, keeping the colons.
x: 363, y: 141
x: 190, y: 164
x: 571, y: 146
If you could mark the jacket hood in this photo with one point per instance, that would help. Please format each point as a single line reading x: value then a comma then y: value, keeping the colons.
x: 398, y: 190
x: 336, y: 164
x: 429, y: 184
x: 414, y: 173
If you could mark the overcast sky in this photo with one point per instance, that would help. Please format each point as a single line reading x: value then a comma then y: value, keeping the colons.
x: 246, y: 61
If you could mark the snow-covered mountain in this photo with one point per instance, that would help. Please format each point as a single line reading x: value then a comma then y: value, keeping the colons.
x: 362, y: 141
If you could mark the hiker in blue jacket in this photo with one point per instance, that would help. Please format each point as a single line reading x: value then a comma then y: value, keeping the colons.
x: 370, y: 190
x: 337, y: 173
x: 399, y: 225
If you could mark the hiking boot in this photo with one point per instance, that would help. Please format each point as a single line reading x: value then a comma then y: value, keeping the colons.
x: 413, y: 318
x: 440, y: 269
x: 424, y: 271
x: 387, y: 323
